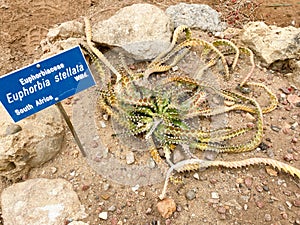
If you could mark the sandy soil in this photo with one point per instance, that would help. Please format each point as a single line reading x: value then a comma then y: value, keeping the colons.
x: 267, y: 200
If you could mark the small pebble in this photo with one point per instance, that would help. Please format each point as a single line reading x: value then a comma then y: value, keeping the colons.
x: 228, y: 103
x: 296, y: 203
x: 94, y: 144
x: 190, y: 195
x: 85, y: 187
x: 132, y: 67
x: 179, y: 208
x: 294, y: 140
x: 135, y: 188
x: 168, y: 222
x: 282, y: 98
x: 259, y: 188
x: 245, y: 198
x: 280, y: 182
x: 250, y: 125
x: 114, y: 221
x: 112, y: 208
x: 178, y: 156
x: 269, y: 140
x: 293, y: 99
x: 130, y: 158
x: 275, y: 128
x: 103, y: 215
x: 266, y: 188
x: 213, y: 181
x: 297, y: 222
x: 166, y: 207
x: 263, y: 146
x: 286, y: 130
x: 270, y: 153
x: 213, y: 201
x: 288, y: 157
x: 239, y: 180
x: 248, y: 182
x: 53, y: 169
x: 289, y: 204
x: 4, y: 6
x: 294, y: 125
x: 174, y: 68
x: 12, y: 129
x: 105, y: 117
x: 285, y: 90
x: 281, y: 207
x: 215, y: 195
x: 72, y: 173
x: 260, y: 204
x: 250, y: 117
x: 210, y: 155
x: 219, y: 34
x: 105, y: 196
x: 268, y: 217
x: 151, y: 164
x: 271, y: 171
x: 196, y: 176
x: 284, y: 215
x: 221, y: 210
x: 106, y: 187
x: 274, y: 199
x: 102, y: 124
x: 148, y: 211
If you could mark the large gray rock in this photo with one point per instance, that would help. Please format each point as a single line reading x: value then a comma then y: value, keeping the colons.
x: 29, y: 143
x: 41, y: 201
x: 272, y: 43
x: 196, y: 16
x: 142, y: 30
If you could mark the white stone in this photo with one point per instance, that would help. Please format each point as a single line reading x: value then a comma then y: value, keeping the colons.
x: 142, y: 30
x: 103, y: 215
x: 40, y: 201
x: 196, y: 176
x: 130, y: 158
x: 215, y: 195
x: 39, y: 140
x: 272, y: 43
x: 102, y: 124
x: 135, y: 188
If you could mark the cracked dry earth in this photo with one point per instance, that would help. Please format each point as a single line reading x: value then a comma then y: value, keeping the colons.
x: 252, y: 195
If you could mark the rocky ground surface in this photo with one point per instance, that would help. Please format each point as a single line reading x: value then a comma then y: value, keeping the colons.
x: 45, y: 179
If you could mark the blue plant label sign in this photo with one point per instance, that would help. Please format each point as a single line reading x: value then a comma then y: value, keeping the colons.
x: 42, y: 84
